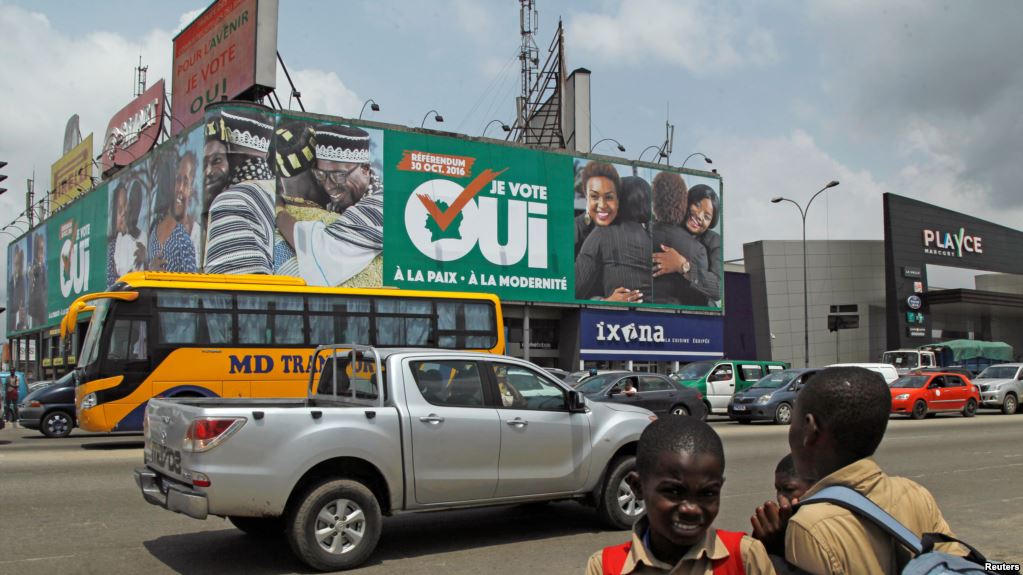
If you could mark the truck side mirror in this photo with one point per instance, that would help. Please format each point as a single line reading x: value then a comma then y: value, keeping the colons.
x: 576, y: 402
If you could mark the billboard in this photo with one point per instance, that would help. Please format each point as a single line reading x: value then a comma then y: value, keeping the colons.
x: 75, y: 253
x: 133, y: 131
x: 301, y: 196
x: 71, y: 175
x: 153, y: 211
x: 647, y: 336
x: 251, y: 190
x: 916, y: 234
x: 226, y: 51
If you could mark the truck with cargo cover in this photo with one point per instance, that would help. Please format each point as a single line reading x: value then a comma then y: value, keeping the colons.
x: 388, y: 431
x: 974, y: 355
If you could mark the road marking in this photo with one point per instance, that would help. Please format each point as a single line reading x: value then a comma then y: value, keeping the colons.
x: 13, y: 561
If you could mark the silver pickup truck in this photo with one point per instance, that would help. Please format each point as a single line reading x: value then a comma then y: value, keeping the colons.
x: 387, y: 431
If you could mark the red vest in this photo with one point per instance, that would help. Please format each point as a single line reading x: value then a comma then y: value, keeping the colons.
x: 613, y: 558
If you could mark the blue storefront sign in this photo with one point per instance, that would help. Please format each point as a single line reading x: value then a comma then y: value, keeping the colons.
x: 645, y: 336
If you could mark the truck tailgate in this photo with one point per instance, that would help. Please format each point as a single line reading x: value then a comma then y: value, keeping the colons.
x: 167, y: 423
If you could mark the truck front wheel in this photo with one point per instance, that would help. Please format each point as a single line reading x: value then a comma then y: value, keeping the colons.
x: 335, y: 525
x: 619, y: 506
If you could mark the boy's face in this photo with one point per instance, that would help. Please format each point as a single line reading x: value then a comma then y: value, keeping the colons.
x: 789, y: 487
x: 681, y: 494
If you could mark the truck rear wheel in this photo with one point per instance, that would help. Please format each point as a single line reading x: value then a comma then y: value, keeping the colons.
x: 335, y: 525
x: 619, y: 506
x: 259, y: 526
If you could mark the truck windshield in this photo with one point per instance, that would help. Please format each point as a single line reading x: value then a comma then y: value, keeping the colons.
x: 902, y: 359
x: 90, y: 346
x: 777, y: 379
x: 695, y: 370
x: 998, y: 372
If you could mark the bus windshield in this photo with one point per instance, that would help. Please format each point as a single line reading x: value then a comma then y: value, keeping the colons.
x: 90, y: 346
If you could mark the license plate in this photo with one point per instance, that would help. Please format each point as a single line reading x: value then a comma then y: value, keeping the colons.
x: 165, y: 457
x: 738, y: 407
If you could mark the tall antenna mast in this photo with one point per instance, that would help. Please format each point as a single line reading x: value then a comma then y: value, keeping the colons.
x: 529, y: 56
x: 140, y: 78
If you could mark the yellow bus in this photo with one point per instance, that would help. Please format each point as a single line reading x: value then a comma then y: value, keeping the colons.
x: 194, y: 335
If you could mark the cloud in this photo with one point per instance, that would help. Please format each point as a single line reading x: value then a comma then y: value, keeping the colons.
x: 322, y: 92
x: 940, y: 80
x: 699, y: 36
x: 796, y: 166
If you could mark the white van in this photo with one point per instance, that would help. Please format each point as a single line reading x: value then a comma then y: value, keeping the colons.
x: 887, y: 370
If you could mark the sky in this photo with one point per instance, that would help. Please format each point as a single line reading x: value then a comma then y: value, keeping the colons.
x: 919, y: 98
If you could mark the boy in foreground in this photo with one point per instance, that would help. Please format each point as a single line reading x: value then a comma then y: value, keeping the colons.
x: 680, y: 466
x: 839, y: 421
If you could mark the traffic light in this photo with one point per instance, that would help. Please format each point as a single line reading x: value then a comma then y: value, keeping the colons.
x: 3, y: 176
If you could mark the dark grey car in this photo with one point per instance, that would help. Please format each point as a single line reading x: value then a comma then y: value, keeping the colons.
x: 50, y: 409
x: 770, y: 398
x: 655, y: 392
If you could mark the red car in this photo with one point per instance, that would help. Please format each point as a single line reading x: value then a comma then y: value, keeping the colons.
x: 924, y: 394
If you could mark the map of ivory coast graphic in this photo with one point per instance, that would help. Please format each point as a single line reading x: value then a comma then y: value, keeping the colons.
x: 454, y: 230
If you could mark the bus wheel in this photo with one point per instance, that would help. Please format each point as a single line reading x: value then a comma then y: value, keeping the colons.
x: 335, y: 525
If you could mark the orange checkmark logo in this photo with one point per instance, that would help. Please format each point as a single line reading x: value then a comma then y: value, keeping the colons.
x: 444, y: 218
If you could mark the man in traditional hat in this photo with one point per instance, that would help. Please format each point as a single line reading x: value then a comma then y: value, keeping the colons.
x: 345, y: 250
x: 240, y: 235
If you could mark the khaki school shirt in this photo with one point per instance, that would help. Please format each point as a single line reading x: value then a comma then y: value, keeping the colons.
x: 696, y: 561
x: 826, y: 539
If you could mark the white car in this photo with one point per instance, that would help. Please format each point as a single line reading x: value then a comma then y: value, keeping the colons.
x: 887, y: 370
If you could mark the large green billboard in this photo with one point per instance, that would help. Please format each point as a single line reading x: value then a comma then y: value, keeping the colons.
x: 255, y: 191
x: 477, y: 217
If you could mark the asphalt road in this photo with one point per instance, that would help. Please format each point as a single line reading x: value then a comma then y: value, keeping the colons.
x: 71, y: 506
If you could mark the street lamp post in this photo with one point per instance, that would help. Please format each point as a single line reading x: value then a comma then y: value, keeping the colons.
x: 705, y: 158
x: 504, y: 127
x: 372, y: 106
x: 806, y: 293
x: 621, y: 148
x: 647, y: 149
x: 436, y: 116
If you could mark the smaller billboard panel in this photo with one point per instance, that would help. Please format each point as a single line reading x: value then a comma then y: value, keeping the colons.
x: 221, y: 55
x: 74, y: 264
x: 71, y: 175
x: 133, y: 131
x: 646, y: 336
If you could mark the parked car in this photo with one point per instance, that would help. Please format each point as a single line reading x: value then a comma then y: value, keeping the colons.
x: 718, y: 380
x: 558, y: 373
x: 655, y: 392
x: 50, y: 409
x: 887, y: 370
x: 389, y: 431
x: 1001, y: 386
x: 575, y: 377
x: 39, y: 384
x: 924, y: 395
x: 770, y: 398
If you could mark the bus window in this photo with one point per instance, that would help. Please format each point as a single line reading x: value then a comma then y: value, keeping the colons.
x: 128, y: 341
x: 259, y: 328
x: 404, y: 328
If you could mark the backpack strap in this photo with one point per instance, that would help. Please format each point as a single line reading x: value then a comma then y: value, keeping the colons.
x: 852, y: 500
x: 613, y: 558
x: 929, y: 540
x: 733, y: 564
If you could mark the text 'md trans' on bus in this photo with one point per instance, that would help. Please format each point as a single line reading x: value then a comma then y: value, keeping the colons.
x: 193, y: 335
